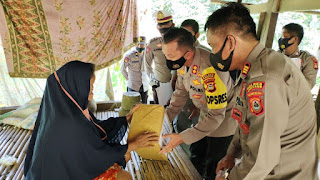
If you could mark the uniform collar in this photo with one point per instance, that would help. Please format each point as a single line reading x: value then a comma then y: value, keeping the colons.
x: 252, y: 66
x: 296, y: 53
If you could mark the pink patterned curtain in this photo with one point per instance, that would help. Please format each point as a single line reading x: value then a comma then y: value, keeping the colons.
x: 40, y: 36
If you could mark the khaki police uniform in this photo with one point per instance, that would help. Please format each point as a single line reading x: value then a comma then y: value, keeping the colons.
x: 276, y: 136
x: 309, y: 66
x: 160, y: 74
x: 133, y: 71
x: 154, y: 54
x: 212, y: 92
x: 183, y: 122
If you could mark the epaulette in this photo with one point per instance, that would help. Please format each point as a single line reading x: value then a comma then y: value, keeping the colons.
x: 153, y: 39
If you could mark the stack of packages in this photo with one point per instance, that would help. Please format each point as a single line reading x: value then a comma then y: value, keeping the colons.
x: 150, y: 118
x: 129, y: 99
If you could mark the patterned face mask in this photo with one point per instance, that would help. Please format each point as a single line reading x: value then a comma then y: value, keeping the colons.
x: 284, y: 43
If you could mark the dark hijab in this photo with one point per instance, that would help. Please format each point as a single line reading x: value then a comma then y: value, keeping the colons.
x: 64, y: 143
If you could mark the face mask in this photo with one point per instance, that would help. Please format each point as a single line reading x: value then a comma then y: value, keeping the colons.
x: 284, y: 43
x: 139, y: 49
x: 174, y: 65
x: 164, y: 30
x: 217, y: 62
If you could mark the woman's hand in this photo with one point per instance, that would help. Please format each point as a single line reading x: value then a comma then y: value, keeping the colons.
x: 130, y: 114
x: 143, y: 140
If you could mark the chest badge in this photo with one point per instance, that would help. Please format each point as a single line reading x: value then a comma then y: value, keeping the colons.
x: 196, y: 82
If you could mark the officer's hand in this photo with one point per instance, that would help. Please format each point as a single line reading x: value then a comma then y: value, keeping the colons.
x: 194, y: 111
x: 225, y: 163
x: 175, y: 140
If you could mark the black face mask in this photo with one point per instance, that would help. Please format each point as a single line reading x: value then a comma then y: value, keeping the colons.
x: 217, y: 62
x: 284, y: 43
x: 164, y: 30
x: 174, y: 65
x: 139, y: 49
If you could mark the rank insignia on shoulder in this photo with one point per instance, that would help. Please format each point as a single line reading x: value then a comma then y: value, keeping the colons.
x: 194, y: 69
x: 181, y: 71
x: 255, y: 85
x: 126, y: 59
x: 246, y: 68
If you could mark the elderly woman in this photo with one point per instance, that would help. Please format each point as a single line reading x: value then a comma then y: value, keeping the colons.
x: 68, y: 142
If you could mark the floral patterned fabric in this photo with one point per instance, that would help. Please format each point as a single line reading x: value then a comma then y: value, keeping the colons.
x: 40, y: 36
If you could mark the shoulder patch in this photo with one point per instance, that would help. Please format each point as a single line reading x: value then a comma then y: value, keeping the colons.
x: 147, y: 49
x: 126, y: 59
x: 215, y: 89
x: 256, y: 105
x: 315, y: 63
x: 255, y: 85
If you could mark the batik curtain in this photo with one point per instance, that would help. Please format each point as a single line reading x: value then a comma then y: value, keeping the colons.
x: 39, y: 36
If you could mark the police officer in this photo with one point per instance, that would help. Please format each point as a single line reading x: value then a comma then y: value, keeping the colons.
x: 276, y: 136
x: 159, y: 75
x: 190, y: 114
x: 210, y: 90
x: 193, y: 27
x: 135, y: 75
x: 292, y: 35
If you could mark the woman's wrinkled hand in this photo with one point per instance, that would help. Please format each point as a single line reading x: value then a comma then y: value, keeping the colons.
x: 144, y: 140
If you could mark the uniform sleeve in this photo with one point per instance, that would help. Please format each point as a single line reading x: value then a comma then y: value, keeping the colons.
x: 234, y: 149
x: 266, y: 127
x: 178, y: 99
x: 310, y: 70
x: 212, y: 118
x: 209, y: 123
x: 123, y: 67
x: 148, y: 62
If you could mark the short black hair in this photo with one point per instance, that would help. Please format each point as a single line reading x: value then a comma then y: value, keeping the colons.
x: 234, y: 16
x: 295, y: 30
x: 183, y: 37
x: 191, y: 22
